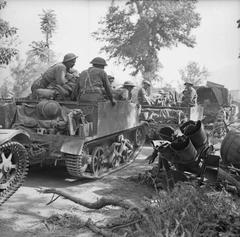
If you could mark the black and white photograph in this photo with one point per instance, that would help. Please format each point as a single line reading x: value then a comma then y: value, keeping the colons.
x: 119, y: 118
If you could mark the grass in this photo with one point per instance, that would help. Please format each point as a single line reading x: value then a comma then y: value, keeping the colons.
x: 190, y: 210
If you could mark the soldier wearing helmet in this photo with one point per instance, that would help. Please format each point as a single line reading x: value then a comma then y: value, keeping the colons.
x: 125, y: 92
x: 189, y: 97
x: 57, y: 76
x: 144, y: 93
x: 93, y: 83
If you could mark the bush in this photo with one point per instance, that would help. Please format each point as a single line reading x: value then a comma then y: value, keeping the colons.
x: 189, y: 210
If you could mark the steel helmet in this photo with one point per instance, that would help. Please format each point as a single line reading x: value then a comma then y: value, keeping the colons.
x: 128, y: 83
x: 147, y: 82
x: 68, y: 57
x: 188, y: 83
x: 99, y: 61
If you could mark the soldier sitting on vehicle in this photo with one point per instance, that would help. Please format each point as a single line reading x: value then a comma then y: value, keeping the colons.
x: 58, y: 79
x: 125, y: 92
x: 189, y: 97
x: 92, y: 84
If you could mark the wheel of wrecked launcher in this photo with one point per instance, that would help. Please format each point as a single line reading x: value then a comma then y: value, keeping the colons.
x: 14, y: 163
x: 127, y: 156
x: 116, y: 161
x: 139, y: 136
x: 97, y: 161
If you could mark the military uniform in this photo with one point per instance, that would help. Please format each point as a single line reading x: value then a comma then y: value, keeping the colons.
x: 49, y: 77
x: 144, y: 93
x: 92, y: 85
x: 125, y: 92
x: 143, y: 97
x: 189, y: 97
x: 58, y: 77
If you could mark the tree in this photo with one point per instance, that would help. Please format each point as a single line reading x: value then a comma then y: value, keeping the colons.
x: 7, y: 33
x: 41, y: 49
x: 5, y: 92
x: 24, y: 73
x: 133, y: 35
x: 194, y: 73
x: 39, y: 57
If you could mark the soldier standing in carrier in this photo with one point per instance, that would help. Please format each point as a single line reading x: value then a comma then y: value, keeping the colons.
x: 125, y: 92
x: 57, y: 76
x: 92, y: 84
x: 144, y: 93
x: 189, y: 97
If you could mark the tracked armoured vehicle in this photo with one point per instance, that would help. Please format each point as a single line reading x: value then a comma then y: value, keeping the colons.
x: 14, y: 162
x: 90, y: 139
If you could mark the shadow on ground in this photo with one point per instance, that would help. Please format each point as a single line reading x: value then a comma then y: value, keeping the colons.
x: 49, y: 177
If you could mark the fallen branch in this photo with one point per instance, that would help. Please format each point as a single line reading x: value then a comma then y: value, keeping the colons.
x: 52, y: 200
x: 125, y: 225
x: 97, y: 230
x: 100, y: 203
x: 223, y: 174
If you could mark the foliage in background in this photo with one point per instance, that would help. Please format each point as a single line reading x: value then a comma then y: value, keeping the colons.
x: 24, y: 73
x: 7, y: 33
x: 5, y: 92
x: 41, y: 49
x: 39, y: 57
x: 194, y: 73
x: 133, y: 35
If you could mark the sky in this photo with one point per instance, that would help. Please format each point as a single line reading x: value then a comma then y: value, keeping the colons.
x: 217, y: 48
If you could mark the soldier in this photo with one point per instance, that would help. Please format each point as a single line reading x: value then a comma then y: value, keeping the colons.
x: 93, y: 84
x: 144, y: 93
x: 189, y: 95
x: 56, y: 77
x: 161, y: 99
x: 111, y: 81
x: 125, y: 92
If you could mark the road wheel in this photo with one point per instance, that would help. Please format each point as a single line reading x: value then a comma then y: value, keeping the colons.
x: 14, y: 164
x: 97, y: 163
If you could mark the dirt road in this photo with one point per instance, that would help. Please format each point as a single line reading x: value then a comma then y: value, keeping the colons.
x: 24, y: 213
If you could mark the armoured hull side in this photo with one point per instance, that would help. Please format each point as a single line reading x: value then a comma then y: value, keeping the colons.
x: 113, y: 119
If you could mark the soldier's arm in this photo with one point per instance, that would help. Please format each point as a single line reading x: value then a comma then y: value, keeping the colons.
x: 107, y: 87
x: 77, y: 90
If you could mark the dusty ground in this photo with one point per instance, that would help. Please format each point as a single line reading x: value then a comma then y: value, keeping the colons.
x: 23, y: 214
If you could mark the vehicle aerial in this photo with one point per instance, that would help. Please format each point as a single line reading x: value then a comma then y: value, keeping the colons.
x: 14, y: 162
x: 90, y: 139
